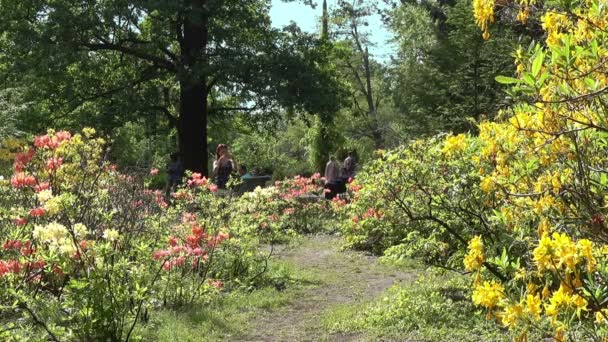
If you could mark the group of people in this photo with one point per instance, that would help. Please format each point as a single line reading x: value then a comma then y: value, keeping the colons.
x: 224, y: 166
x: 337, y: 177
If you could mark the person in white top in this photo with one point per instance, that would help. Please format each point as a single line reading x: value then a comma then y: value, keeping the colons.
x: 332, y: 177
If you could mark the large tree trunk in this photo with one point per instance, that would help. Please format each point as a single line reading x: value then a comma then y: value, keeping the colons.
x: 192, y: 126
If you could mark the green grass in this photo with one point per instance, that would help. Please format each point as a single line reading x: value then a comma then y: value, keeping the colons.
x: 230, y: 315
x: 434, y: 308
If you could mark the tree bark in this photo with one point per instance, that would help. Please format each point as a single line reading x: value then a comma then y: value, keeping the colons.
x: 192, y: 122
x: 192, y: 127
x: 371, y: 106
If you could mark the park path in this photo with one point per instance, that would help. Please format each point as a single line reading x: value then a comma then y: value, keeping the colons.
x: 343, y: 278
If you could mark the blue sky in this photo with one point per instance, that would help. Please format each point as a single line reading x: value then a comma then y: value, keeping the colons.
x: 307, y: 19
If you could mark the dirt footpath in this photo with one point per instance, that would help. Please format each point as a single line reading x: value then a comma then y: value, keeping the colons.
x: 345, y: 278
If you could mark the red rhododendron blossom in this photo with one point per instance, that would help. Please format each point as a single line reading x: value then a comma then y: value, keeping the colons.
x: 58, y: 271
x: 53, y: 163
x: 12, y: 244
x: 48, y: 141
x: 218, y: 284
x: 111, y: 167
x: 355, y: 219
x: 14, y: 266
x: 355, y: 188
x: 197, y: 251
x: 188, y: 217
x: 20, y: 180
x: 27, y: 249
x: 161, y: 254
x: 193, y: 240
x: 84, y: 244
x: 172, y: 241
x: 177, y: 250
x: 37, y: 212
x: 213, y: 188
x: 42, y: 186
x: 289, y: 211
x: 36, y: 265
x: 23, y: 158
x: 153, y: 172
x: 63, y: 136
x: 197, y: 180
x: 20, y: 221
x: 137, y: 204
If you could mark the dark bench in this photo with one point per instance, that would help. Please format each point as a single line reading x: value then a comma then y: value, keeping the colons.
x: 250, y: 183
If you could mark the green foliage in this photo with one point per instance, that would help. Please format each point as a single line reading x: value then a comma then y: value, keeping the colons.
x: 433, y: 308
x: 421, y: 201
x: 444, y: 75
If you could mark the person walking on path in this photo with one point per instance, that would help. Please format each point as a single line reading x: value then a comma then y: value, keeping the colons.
x: 223, y: 166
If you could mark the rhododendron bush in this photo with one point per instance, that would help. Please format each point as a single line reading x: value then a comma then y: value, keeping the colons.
x: 87, y: 252
x: 291, y: 206
x: 522, y: 207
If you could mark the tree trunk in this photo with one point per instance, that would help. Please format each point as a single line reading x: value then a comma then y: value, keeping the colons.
x: 371, y: 106
x: 192, y: 126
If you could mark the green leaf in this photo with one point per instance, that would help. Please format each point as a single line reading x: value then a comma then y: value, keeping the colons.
x: 507, y: 80
x: 538, y: 63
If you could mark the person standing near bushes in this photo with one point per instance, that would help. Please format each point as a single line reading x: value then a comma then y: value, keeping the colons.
x: 223, y: 166
x: 350, y: 166
x: 175, y: 172
x: 332, y: 178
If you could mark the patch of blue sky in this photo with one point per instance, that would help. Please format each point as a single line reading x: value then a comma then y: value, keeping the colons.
x: 308, y: 19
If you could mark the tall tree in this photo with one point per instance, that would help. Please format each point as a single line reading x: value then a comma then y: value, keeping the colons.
x: 189, y: 59
x: 351, y: 17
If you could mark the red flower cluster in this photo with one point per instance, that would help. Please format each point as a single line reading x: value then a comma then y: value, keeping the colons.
x: 299, y: 186
x: 196, y: 246
x: 20, y: 221
x: 51, y: 141
x: 42, y: 186
x: 197, y: 180
x: 372, y: 212
x: 53, y: 164
x: 22, y: 159
x: 11, y: 266
x: 37, y: 212
x: 21, y: 180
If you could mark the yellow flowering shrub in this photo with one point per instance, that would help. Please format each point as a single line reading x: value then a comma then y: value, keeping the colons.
x: 544, y: 172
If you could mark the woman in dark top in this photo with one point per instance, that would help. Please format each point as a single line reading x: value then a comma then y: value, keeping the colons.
x: 222, y: 166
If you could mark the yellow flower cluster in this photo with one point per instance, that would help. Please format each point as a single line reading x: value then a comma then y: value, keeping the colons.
x: 484, y: 15
x: 475, y: 258
x: 488, y: 294
x: 454, y: 144
x: 559, y: 252
x: 56, y: 236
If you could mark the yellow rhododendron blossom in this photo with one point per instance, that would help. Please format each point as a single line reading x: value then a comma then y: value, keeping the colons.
x: 454, y: 144
x: 111, y: 234
x: 475, y: 258
x: 488, y: 294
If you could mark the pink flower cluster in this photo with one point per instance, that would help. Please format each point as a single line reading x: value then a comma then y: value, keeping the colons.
x: 299, y: 186
x: 198, y: 180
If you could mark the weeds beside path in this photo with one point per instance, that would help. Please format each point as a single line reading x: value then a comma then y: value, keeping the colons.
x: 342, y: 278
